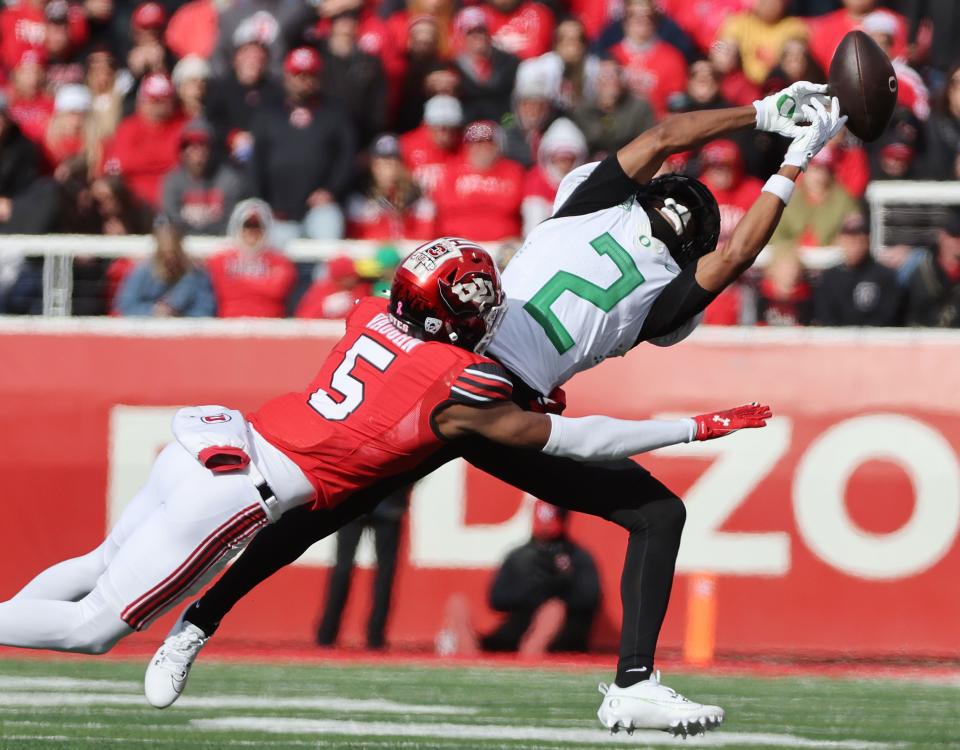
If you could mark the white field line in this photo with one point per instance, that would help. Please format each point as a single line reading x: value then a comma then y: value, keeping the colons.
x: 8, y: 682
x: 507, y: 733
x: 53, y: 699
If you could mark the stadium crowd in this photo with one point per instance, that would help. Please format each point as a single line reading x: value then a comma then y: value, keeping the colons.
x: 270, y: 120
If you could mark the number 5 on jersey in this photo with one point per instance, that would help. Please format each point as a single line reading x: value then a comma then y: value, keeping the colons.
x: 563, y: 281
x: 349, y: 388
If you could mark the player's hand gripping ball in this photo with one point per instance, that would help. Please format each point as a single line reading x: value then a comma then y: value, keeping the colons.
x: 823, y: 125
x: 781, y: 112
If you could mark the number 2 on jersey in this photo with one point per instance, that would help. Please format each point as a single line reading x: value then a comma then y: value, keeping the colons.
x: 564, y: 281
x: 349, y: 388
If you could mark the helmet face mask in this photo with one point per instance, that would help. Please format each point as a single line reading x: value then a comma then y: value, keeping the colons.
x: 690, y: 209
x: 448, y: 290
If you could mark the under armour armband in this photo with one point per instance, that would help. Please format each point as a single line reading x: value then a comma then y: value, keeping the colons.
x: 215, y: 435
x: 605, y: 438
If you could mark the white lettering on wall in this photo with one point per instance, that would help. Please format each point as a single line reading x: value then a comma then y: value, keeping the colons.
x: 819, y: 490
x: 742, y: 462
x: 439, y: 538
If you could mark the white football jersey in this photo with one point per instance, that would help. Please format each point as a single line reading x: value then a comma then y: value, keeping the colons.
x: 579, y: 290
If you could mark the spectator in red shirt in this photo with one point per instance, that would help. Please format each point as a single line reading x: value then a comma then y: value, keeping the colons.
x: 522, y: 28
x: 335, y: 294
x: 428, y: 149
x: 250, y: 279
x: 486, y: 73
x: 826, y: 31
x: 23, y: 26
x: 155, y: 122
x: 391, y: 207
x: 723, y: 173
x: 481, y: 193
x: 66, y: 134
x: 29, y: 105
x: 653, y: 68
x: 562, y: 149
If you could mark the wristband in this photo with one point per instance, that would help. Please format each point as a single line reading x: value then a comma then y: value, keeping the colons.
x: 780, y: 186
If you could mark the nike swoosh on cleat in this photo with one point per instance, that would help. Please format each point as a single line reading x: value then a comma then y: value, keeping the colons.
x: 637, y: 669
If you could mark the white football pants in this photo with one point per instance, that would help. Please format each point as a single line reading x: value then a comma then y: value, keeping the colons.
x: 173, y: 537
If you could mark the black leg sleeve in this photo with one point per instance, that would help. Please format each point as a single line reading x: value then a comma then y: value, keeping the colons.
x: 273, y: 548
x: 281, y: 543
x: 626, y: 494
x: 338, y: 582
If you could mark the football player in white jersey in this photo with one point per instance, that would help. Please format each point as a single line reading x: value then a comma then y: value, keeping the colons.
x: 625, y: 258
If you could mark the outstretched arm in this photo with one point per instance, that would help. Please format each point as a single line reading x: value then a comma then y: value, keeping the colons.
x: 642, y: 158
x: 718, y: 269
x: 590, y: 438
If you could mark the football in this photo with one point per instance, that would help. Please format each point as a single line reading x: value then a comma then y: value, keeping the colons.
x: 863, y: 79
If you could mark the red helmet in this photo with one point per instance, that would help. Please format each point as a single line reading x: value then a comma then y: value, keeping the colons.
x: 448, y: 290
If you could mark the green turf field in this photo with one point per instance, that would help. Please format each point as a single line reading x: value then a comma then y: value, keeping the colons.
x: 81, y: 704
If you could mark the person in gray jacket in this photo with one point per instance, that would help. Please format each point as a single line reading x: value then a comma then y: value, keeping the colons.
x: 198, y: 194
x: 167, y: 284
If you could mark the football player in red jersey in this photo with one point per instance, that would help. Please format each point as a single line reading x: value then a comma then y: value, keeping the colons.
x: 567, y: 313
x: 401, y: 384
x: 406, y: 389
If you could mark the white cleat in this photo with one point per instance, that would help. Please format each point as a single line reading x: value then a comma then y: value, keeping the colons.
x: 651, y: 705
x: 169, y: 668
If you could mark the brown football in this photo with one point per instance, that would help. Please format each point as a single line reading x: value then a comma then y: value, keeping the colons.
x: 862, y: 78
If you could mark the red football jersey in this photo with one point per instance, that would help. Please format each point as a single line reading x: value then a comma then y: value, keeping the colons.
x: 369, y: 412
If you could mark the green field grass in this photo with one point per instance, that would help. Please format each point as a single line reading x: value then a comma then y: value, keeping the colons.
x: 81, y: 704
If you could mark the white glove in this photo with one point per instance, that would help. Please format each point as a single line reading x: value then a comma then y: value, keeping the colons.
x: 809, y: 139
x: 779, y: 113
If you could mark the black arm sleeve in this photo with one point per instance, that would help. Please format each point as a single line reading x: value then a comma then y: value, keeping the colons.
x: 680, y: 300
x: 607, y: 186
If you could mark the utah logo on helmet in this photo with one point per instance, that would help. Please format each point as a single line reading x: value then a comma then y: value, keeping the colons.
x: 448, y: 290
